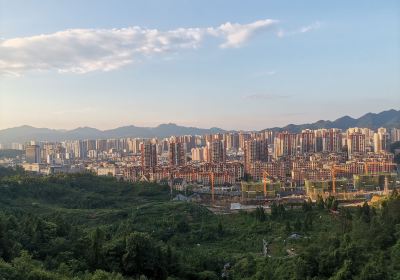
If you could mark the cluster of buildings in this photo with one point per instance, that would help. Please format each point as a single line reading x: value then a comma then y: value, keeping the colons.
x: 283, y: 158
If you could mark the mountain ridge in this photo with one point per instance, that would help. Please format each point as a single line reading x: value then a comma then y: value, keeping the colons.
x: 24, y: 133
x: 388, y: 119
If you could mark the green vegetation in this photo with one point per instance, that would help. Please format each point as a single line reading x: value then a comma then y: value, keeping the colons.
x: 88, y: 227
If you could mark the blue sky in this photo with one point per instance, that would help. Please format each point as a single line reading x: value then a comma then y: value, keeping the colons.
x: 231, y: 64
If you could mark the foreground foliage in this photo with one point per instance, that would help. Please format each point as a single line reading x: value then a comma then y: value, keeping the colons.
x: 88, y: 227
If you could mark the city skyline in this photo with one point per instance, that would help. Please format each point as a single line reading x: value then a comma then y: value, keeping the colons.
x: 176, y: 139
x: 242, y: 66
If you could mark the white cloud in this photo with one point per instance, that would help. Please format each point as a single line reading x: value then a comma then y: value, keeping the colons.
x: 304, y: 29
x: 237, y: 34
x: 86, y: 50
x: 310, y: 27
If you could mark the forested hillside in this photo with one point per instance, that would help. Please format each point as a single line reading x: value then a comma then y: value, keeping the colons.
x: 89, y: 227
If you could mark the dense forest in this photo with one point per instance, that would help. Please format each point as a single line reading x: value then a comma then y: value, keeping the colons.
x: 87, y: 227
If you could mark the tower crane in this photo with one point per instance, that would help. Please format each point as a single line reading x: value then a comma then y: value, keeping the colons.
x: 334, y: 170
x: 265, y: 175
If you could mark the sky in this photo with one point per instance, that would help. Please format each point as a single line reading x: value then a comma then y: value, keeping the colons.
x: 229, y: 64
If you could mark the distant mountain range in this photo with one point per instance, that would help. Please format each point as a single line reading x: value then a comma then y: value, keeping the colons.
x: 21, y: 134
x: 26, y: 133
x: 388, y: 119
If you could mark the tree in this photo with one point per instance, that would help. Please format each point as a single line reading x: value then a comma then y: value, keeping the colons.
x: 394, y: 194
x: 244, y: 268
x: 24, y: 267
x: 172, y: 261
x: 373, y: 270
x: 96, y: 247
x: 6, y: 245
x: 307, y: 205
x: 297, y: 225
x: 183, y: 226
x: 331, y: 203
x: 207, y: 275
x: 345, y: 272
x: 282, y: 211
x: 260, y: 214
x: 395, y: 255
x: 288, y: 228
x: 366, y: 213
x: 345, y: 219
x: 220, y: 229
x: 320, y: 202
x: 102, y: 275
x: 274, y: 210
x: 142, y: 256
x: 308, y: 221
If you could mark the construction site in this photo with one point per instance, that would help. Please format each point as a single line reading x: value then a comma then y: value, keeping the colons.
x: 378, y: 179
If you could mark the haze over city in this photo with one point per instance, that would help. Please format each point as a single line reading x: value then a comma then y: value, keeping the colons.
x: 228, y: 64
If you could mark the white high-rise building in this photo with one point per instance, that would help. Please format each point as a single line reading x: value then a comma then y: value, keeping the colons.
x: 394, y: 135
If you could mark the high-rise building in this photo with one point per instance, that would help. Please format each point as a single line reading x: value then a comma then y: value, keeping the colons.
x: 47, y: 151
x: 332, y: 140
x: 164, y: 145
x: 177, y: 153
x: 218, y: 136
x: 368, y: 136
x: 394, y: 135
x: 17, y: 146
x: 369, y: 139
x: 199, y: 154
x: 269, y: 136
x: 255, y: 150
x: 148, y: 154
x: 285, y: 144
x: 307, y: 141
x: 90, y: 144
x: 101, y: 145
x: 123, y: 144
x: 351, y: 130
x: 134, y: 145
x: 208, y: 138
x: 243, y: 137
x: 319, y: 140
x: 216, y: 151
x: 32, y: 154
x: 381, y: 140
x: 355, y: 143
x: 80, y: 149
x: 189, y: 140
x: 232, y: 141
x: 113, y: 144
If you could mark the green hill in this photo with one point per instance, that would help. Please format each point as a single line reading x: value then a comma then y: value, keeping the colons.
x: 89, y: 227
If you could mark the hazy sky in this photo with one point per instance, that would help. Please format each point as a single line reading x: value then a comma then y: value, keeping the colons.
x: 231, y: 64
